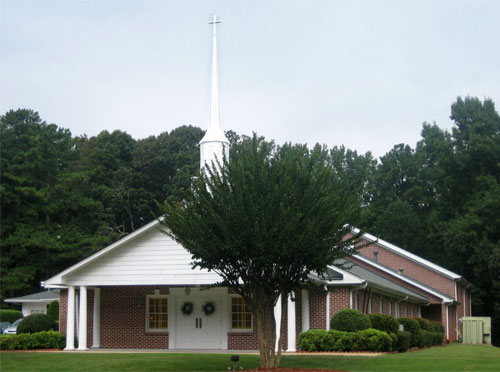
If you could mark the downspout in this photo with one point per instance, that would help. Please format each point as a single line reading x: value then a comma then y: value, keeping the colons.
x: 447, y: 325
x: 327, y: 313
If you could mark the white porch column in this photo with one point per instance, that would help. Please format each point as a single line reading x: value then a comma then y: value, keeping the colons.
x: 96, y: 324
x: 70, y: 319
x: 327, y: 312
x: 305, y: 310
x: 291, y: 325
x: 82, y: 329
x: 277, y: 319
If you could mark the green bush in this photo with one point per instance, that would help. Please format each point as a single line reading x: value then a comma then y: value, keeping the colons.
x: 53, y: 310
x: 373, y: 340
x: 411, y: 325
x: 31, y: 341
x: 425, y: 324
x: 312, y: 340
x: 333, y: 340
x: 394, y: 338
x: 36, y: 323
x: 329, y: 342
x: 10, y: 315
x: 350, y: 320
x: 438, y: 327
x: 403, y: 343
x: 384, y: 322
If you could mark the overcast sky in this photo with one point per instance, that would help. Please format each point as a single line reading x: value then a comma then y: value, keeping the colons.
x: 365, y: 74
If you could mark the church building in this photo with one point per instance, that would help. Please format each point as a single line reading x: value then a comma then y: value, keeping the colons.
x: 141, y: 292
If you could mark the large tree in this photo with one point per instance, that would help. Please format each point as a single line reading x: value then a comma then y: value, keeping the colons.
x: 270, y: 216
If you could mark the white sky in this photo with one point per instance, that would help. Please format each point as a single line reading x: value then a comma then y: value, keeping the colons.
x: 365, y: 74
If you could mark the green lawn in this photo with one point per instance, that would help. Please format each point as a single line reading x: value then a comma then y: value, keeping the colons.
x: 449, y: 358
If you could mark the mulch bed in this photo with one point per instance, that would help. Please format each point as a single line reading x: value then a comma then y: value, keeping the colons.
x: 290, y: 370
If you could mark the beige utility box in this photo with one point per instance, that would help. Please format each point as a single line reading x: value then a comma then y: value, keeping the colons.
x: 476, y: 330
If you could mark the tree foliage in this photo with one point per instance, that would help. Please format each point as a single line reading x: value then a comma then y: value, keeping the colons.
x: 63, y: 197
x: 252, y: 221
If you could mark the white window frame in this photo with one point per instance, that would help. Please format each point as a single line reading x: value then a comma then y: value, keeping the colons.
x: 230, y: 312
x: 147, y: 313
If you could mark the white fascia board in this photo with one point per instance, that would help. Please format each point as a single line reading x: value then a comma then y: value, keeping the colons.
x: 14, y: 301
x: 445, y: 299
x: 57, y: 280
x: 409, y: 255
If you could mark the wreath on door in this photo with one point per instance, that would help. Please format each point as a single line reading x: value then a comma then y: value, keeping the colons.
x: 208, y: 308
x: 187, y: 308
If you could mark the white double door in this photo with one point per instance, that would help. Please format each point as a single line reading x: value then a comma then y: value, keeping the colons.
x: 197, y: 330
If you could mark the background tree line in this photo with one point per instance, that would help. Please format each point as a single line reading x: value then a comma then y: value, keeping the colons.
x: 64, y: 198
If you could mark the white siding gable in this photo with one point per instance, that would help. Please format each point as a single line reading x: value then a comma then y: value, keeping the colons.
x: 152, y: 258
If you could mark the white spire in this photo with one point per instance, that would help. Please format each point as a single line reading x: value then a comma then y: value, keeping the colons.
x: 214, y: 143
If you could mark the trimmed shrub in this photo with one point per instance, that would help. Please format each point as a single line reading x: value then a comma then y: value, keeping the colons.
x: 10, y: 315
x: 333, y: 340
x: 53, y: 310
x: 312, y: 340
x: 424, y: 338
x: 329, y: 342
x: 394, y: 338
x: 31, y: 341
x: 350, y: 320
x: 438, y: 327
x: 36, y: 323
x: 403, y: 343
x: 412, y: 326
x: 425, y: 324
x: 373, y: 340
x: 384, y: 322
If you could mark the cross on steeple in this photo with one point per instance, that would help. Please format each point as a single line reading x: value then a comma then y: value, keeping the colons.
x: 214, y: 22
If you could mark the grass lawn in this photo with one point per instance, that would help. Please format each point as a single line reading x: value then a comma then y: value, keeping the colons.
x: 449, y: 358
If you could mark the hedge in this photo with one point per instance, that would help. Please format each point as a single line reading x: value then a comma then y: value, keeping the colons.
x: 425, y: 324
x: 36, y: 323
x: 31, y: 341
x: 384, y: 322
x: 428, y: 339
x: 10, y: 315
x: 411, y: 325
x: 333, y: 340
x: 403, y: 343
x: 350, y: 320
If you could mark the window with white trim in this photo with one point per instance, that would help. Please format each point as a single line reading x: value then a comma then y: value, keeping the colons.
x: 241, y: 316
x: 157, y: 313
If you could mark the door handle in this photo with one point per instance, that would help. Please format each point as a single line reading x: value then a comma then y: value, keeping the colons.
x: 200, y: 322
x: 196, y: 322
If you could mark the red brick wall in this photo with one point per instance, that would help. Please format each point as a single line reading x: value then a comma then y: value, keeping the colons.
x: 339, y: 299
x: 317, y: 308
x: 411, y: 268
x: 123, y: 318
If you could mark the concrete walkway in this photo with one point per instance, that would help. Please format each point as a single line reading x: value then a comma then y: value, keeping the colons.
x: 207, y: 351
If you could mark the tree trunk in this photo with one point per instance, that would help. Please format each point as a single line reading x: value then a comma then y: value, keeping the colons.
x: 284, y: 302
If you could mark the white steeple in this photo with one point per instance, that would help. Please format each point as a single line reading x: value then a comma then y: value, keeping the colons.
x: 214, y: 144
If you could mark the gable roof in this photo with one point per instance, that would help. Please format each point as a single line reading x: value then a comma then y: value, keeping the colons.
x: 409, y: 255
x: 445, y: 298
x: 146, y: 257
x: 56, y: 280
x: 45, y: 296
